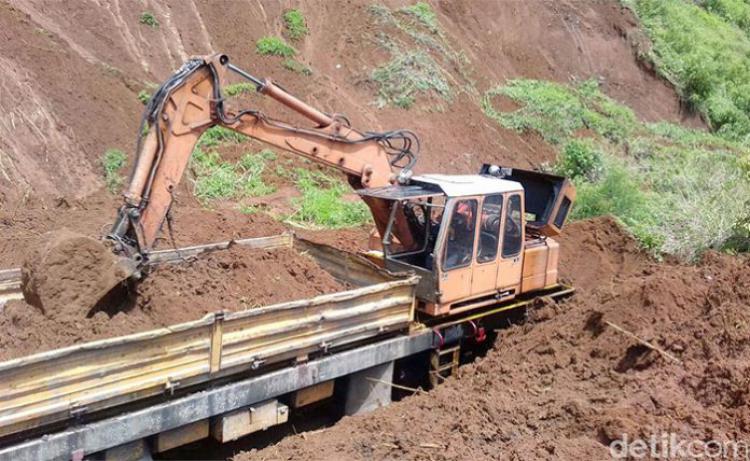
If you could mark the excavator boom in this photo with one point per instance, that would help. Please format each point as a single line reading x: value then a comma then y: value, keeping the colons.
x: 192, y: 100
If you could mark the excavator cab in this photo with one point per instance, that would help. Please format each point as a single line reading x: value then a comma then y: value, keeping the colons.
x: 473, y: 241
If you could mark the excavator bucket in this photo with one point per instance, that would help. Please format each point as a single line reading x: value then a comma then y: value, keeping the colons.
x: 68, y: 274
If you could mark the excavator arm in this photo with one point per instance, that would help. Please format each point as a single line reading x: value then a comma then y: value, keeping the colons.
x: 192, y: 100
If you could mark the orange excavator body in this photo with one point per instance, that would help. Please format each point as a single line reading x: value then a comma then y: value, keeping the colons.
x: 475, y: 240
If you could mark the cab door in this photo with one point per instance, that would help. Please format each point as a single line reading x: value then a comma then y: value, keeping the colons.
x: 458, y: 251
x: 510, y: 262
x: 484, y: 278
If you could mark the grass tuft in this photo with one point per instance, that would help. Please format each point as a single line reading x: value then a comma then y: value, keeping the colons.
x: 323, y: 203
x: 407, y: 74
x: 148, y: 19
x: 216, y: 179
x: 236, y: 89
x: 424, y: 13
x: 296, y: 67
x: 144, y: 97
x: 295, y: 23
x: 274, y: 46
x: 113, y: 160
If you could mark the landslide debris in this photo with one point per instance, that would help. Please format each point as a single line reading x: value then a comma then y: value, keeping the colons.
x: 566, y: 384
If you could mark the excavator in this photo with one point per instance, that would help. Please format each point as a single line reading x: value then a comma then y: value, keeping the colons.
x: 474, y: 240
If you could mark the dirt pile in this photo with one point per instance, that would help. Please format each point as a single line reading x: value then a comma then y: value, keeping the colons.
x: 234, y: 279
x: 569, y: 382
x: 66, y: 274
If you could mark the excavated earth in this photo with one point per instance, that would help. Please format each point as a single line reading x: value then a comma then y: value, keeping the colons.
x: 230, y: 280
x: 568, y: 382
x: 563, y: 385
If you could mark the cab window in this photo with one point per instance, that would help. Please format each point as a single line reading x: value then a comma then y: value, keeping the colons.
x: 460, y: 237
x: 513, y: 234
x: 489, y: 228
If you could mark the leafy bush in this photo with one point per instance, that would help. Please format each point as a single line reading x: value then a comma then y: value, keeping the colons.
x: 580, y: 159
x: 736, y: 12
x: 706, y: 53
x: 323, y: 203
x: 112, y: 161
x: 620, y: 194
x: 295, y: 24
x: 148, y: 19
x: 274, y: 46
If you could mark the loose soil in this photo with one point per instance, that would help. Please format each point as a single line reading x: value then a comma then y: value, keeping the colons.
x: 66, y: 274
x: 561, y: 386
x: 232, y: 280
x: 566, y: 383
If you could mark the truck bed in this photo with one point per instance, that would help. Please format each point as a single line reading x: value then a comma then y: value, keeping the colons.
x: 67, y: 383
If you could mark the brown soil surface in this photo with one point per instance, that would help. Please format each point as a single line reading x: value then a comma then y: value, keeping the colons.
x: 232, y: 280
x: 60, y: 122
x: 567, y: 383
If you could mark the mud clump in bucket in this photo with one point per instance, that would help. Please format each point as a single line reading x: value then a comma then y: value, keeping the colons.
x: 66, y: 274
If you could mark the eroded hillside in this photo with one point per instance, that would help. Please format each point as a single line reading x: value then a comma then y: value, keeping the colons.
x: 71, y: 74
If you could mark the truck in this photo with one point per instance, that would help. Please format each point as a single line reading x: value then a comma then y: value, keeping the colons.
x: 450, y: 256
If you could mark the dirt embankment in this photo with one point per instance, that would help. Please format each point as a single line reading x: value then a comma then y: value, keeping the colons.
x: 567, y: 383
x: 234, y: 280
x: 72, y: 72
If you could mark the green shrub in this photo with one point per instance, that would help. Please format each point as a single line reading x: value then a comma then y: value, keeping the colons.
x: 295, y: 23
x: 618, y: 193
x: 113, y: 160
x: 148, y: 19
x: 274, y: 46
x: 580, y: 159
x: 736, y: 12
x: 323, y: 203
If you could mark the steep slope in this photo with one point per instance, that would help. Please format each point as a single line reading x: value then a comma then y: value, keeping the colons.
x: 71, y: 73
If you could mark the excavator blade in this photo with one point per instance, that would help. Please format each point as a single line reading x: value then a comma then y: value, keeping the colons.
x: 67, y: 274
